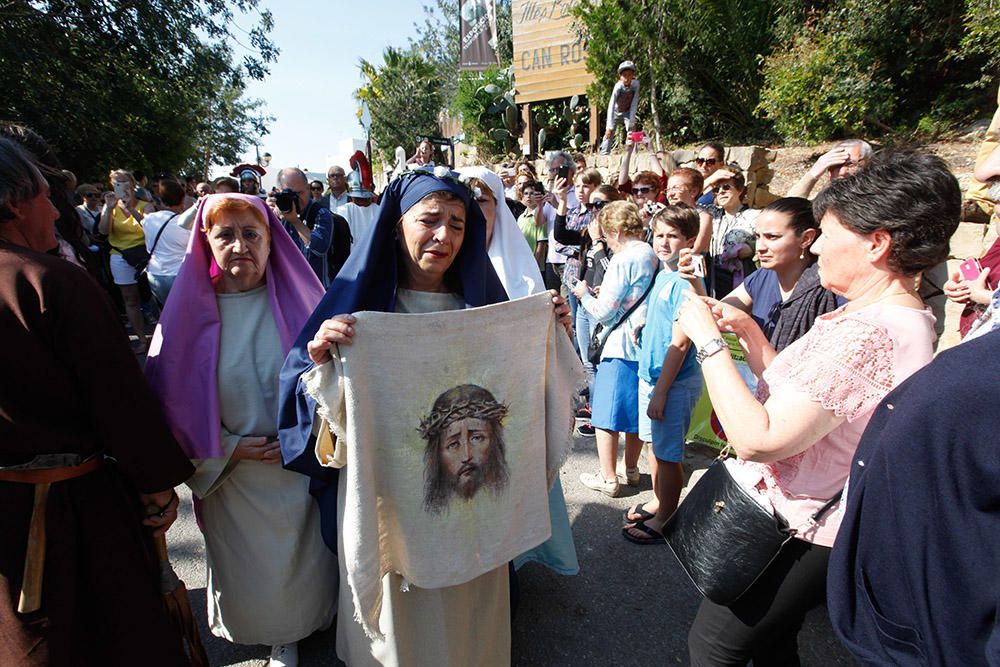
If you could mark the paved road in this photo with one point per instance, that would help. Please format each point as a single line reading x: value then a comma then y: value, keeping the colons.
x: 630, y: 604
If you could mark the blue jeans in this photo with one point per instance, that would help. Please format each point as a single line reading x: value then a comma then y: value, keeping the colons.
x: 585, y: 323
x: 574, y: 309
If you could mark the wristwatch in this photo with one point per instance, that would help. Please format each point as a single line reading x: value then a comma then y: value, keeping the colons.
x: 710, y: 348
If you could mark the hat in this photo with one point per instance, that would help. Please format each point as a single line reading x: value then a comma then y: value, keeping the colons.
x: 626, y: 64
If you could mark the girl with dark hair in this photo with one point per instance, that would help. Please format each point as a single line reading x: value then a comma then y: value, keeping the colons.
x: 784, y: 297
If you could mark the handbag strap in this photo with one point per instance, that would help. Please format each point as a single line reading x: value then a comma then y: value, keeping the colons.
x: 637, y: 303
x: 160, y: 233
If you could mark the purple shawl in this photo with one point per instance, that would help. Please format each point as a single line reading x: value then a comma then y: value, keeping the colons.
x: 183, y: 358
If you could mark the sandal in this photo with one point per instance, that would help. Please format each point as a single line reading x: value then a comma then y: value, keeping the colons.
x: 640, y: 510
x: 651, y: 536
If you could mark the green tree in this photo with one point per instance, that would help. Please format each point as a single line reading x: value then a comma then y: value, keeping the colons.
x: 698, y: 62
x: 856, y: 66
x: 404, y: 97
x: 113, y: 83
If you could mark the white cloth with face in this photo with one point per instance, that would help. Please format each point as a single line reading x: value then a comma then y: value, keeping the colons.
x: 512, y: 258
x: 407, y: 508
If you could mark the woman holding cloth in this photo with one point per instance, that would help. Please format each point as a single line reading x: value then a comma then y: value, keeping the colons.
x: 796, y: 439
x: 427, y: 253
x: 243, y: 293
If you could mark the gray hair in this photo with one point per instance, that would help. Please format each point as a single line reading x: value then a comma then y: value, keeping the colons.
x: 291, y: 170
x: 552, y: 156
x: 866, y: 150
x: 20, y: 178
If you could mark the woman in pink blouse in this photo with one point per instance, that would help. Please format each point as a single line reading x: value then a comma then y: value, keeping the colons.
x: 795, y: 439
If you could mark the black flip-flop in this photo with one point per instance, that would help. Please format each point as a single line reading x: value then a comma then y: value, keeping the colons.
x: 643, y: 514
x: 651, y: 536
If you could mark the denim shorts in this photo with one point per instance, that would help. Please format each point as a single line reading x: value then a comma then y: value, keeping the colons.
x: 668, y: 434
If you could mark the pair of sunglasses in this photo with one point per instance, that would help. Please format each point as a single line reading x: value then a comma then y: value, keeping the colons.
x: 595, y: 205
x: 710, y: 161
x: 641, y: 190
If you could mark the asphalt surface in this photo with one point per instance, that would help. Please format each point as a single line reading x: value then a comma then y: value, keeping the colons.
x: 630, y: 604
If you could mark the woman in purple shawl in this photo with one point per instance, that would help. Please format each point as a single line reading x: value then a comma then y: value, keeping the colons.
x: 242, y: 294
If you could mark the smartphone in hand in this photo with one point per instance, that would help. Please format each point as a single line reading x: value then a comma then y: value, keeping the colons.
x: 970, y: 269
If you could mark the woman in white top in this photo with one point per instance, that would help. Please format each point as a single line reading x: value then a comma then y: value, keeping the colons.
x: 731, y: 248
x: 166, y: 240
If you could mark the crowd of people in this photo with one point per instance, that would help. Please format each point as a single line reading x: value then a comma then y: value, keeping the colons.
x: 652, y: 275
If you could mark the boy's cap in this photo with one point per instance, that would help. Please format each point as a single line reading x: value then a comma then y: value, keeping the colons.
x: 627, y: 64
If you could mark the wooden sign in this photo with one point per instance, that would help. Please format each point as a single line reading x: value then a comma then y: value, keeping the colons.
x: 549, y: 57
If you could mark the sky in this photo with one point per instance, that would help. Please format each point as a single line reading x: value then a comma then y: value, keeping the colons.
x: 309, y: 89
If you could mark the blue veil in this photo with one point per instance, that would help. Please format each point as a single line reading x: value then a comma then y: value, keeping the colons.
x: 368, y: 281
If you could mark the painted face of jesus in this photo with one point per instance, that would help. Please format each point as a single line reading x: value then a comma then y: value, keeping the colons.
x: 465, y: 447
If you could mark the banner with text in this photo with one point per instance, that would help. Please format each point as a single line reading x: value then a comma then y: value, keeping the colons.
x: 549, y: 55
x: 478, y: 22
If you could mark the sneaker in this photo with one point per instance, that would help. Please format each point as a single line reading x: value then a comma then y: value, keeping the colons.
x: 631, y: 476
x: 583, y: 412
x: 598, y: 483
x: 586, y: 429
x: 284, y: 655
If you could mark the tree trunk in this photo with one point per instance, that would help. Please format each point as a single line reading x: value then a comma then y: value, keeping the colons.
x: 652, y: 104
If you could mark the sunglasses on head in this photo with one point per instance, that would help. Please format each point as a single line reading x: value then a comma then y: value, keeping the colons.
x: 641, y: 190
x: 710, y: 161
x: 596, y: 205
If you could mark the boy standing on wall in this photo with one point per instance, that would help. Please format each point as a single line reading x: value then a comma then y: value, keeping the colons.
x: 623, y: 103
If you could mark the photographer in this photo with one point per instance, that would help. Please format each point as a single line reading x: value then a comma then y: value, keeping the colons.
x: 311, y: 226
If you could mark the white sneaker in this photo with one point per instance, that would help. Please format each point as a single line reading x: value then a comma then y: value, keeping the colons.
x: 598, y: 483
x: 631, y: 476
x: 284, y: 655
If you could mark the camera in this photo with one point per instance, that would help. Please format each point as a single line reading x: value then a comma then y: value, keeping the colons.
x: 286, y: 200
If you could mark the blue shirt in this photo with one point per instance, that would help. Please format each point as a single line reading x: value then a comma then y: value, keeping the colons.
x: 664, y: 300
x: 763, y: 287
x: 320, y: 239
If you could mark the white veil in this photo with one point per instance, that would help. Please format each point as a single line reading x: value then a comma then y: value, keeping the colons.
x: 508, y: 250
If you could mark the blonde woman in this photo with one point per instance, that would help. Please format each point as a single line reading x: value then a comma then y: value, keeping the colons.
x: 615, y: 400
x: 121, y: 222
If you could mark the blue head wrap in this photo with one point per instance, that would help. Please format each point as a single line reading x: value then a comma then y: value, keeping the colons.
x: 368, y: 281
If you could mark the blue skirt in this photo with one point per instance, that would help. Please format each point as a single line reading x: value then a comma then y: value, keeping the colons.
x: 615, y: 403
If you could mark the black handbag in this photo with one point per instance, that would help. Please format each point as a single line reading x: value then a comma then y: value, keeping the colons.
x: 723, y: 538
x: 597, y: 340
x: 136, y: 256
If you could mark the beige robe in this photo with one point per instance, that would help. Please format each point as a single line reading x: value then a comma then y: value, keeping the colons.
x: 271, y: 579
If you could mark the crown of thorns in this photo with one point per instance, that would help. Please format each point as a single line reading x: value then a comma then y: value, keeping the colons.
x: 440, y: 419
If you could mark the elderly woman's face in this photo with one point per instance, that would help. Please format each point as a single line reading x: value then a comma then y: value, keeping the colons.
x: 727, y: 193
x: 844, y: 257
x: 430, y: 236
x: 241, y: 244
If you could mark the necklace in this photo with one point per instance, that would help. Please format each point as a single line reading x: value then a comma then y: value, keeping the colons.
x: 886, y: 296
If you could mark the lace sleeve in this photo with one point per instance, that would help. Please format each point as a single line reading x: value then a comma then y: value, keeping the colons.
x: 845, y: 364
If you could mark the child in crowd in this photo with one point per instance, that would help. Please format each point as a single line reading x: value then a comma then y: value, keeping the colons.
x: 622, y: 105
x: 532, y: 223
x: 670, y: 381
